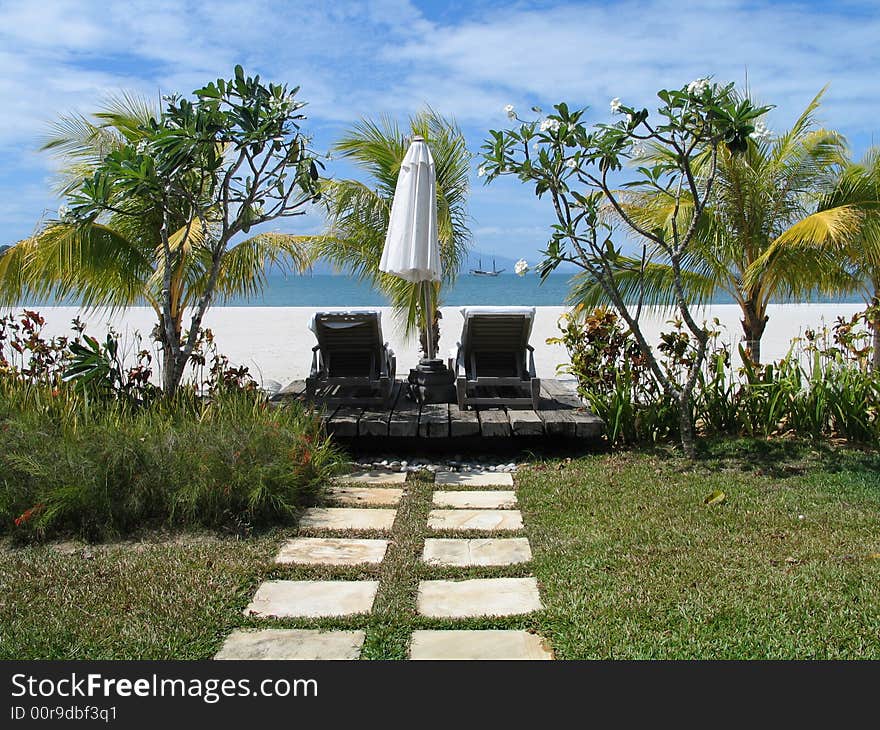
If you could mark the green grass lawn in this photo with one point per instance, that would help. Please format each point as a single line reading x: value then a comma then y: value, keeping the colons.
x: 631, y: 562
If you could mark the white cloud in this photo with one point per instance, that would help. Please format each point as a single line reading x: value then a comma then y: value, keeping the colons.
x: 357, y: 59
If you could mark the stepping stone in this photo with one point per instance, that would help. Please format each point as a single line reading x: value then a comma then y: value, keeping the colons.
x: 274, y: 644
x: 312, y: 598
x: 458, y: 553
x: 475, y: 478
x: 475, y: 519
x: 478, y: 597
x: 370, y: 496
x: 347, y: 518
x: 485, y: 499
x: 480, y: 644
x: 374, y: 477
x: 331, y: 551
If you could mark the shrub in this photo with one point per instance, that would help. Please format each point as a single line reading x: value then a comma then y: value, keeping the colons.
x: 824, y: 387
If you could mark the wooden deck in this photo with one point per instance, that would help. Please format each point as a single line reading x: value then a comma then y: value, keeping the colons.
x: 560, y: 416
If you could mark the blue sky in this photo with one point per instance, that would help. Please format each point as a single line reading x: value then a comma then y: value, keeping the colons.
x: 466, y: 59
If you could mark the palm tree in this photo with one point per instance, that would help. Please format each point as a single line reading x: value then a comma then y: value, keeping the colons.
x: 358, y: 212
x: 112, y: 262
x: 769, y: 191
x: 858, y: 254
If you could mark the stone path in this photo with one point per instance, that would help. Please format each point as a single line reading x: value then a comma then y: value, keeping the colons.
x: 478, y: 644
x: 331, y: 551
x: 478, y: 499
x: 292, y: 644
x: 347, y: 518
x: 312, y: 598
x: 485, y: 510
x: 475, y: 519
x: 369, y: 496
x: 374, y: 477
x: 369, y: 504
x: 474, y: 479
x: 461, y: 553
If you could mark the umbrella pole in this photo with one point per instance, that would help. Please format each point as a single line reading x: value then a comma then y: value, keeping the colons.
x: 429, y: 321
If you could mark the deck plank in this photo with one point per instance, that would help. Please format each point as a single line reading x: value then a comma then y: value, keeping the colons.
x: 525, y: 422
x: 463, y: 423
x: 404, y: 419
x: 434, y: 420
x: 374, y: 420
x: 291, y: 390
x: 494, y: 422
x: 344, y: 421
x: 569, y: 413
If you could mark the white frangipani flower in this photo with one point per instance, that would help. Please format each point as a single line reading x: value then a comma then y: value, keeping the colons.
x: 615, y: 105
x: 510, y: 111
x: 521, y: 267
x: 761, y: 131
x: 698, y: 86
x: 550, y: 124
x: 570, y: 164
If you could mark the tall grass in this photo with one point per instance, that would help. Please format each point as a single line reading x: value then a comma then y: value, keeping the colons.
x: 100, y: 469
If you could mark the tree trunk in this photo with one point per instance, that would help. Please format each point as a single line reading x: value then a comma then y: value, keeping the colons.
x: 686, y: 426
x: 875, y: 359
x: 875, y: 328
x: 172, y: 366
x: 753, y: 323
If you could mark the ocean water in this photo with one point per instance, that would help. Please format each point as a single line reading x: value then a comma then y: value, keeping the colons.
x: 333, y: 291
x: 325, y: 290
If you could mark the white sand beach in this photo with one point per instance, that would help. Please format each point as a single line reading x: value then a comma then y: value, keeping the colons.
x: 275, y: 342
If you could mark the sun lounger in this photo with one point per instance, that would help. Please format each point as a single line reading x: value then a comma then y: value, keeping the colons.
x: 351, y: 358
x: 494, y: 363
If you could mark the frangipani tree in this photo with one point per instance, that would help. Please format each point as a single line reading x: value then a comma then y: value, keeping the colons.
x: 358, y: 212
x: 769, y: 191
x: 158, y: 202
x: 575, y: 165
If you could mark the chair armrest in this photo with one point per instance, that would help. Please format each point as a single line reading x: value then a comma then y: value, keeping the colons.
x: 450, y: 358
x: 459, y: 359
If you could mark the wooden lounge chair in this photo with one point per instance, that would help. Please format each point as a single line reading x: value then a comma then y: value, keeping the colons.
x: 494, y: 363
x: 351, y: 358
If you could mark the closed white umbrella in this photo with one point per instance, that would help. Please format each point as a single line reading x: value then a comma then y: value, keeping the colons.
x: 412, y: 250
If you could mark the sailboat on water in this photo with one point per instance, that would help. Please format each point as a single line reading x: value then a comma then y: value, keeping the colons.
x: 480, y: 271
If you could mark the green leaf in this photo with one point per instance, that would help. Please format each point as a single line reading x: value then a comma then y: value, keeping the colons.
x: 715, y: 498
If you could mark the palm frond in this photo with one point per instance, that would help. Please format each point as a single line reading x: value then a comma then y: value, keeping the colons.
x: 653, y: 285
x: 91, y: 261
